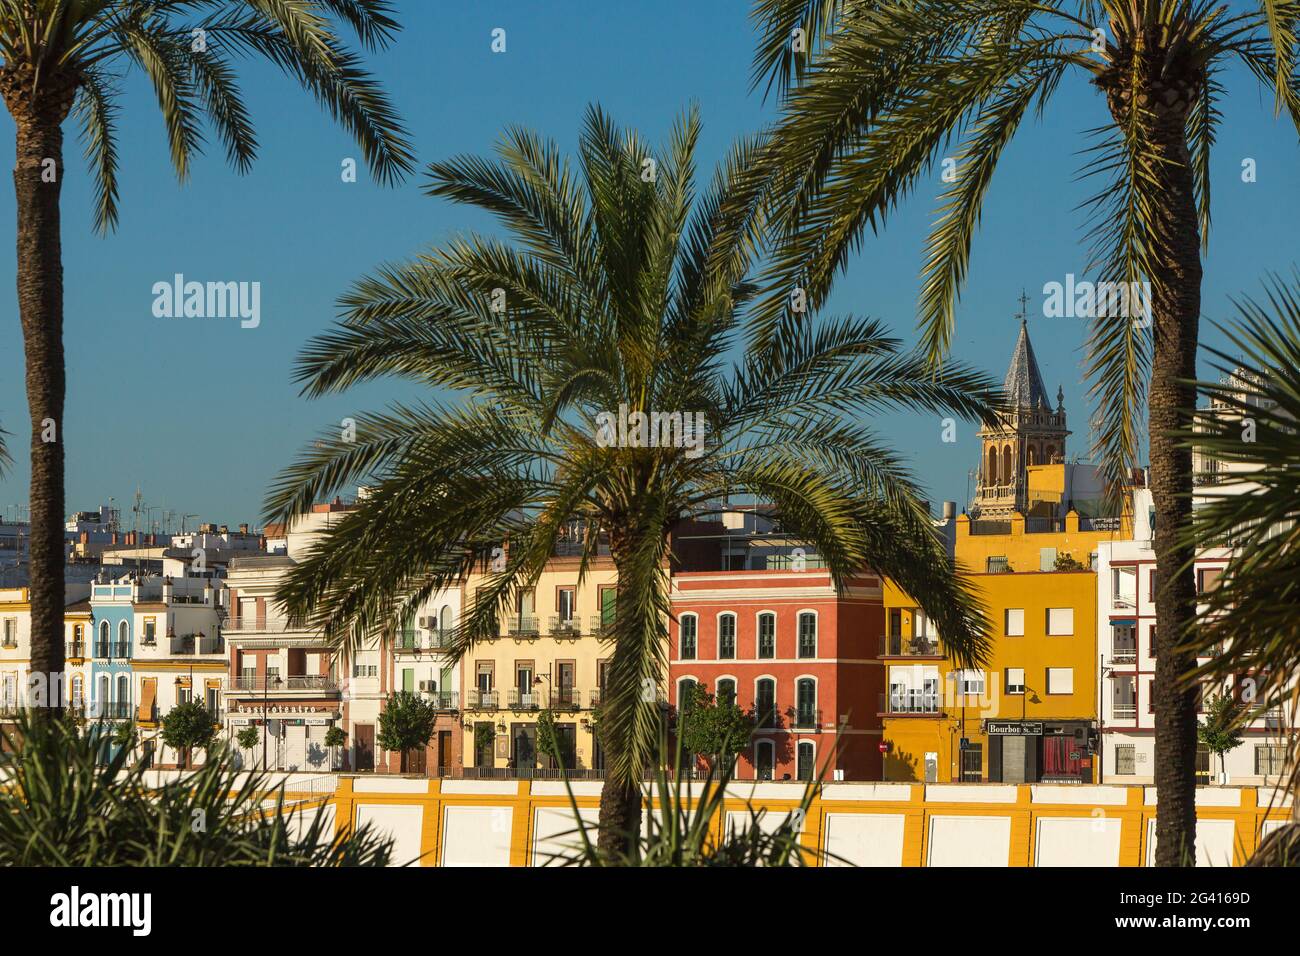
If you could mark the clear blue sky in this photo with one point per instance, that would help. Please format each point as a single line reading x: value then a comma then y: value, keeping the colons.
x: 200, y: 414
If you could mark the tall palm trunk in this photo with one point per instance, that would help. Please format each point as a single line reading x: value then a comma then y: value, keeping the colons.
x: 38, y: 114
x: 1175, y: 312
x: 619, y: 822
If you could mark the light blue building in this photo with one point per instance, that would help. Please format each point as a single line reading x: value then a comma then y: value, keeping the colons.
x: 111, y: 609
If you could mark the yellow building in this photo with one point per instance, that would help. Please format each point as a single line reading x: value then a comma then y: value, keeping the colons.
x: 1017, y: 543
x: 549, y: 657
x: 1031, y: 713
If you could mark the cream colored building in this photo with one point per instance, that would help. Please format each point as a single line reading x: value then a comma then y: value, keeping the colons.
x: 549, y: 655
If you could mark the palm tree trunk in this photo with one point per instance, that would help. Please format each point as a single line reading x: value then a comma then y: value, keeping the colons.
x: 619, y: 822
x: 38, y: 173
x: 1176, y: 308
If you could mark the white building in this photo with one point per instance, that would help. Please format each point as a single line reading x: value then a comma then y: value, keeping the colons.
x: 1126, y: 621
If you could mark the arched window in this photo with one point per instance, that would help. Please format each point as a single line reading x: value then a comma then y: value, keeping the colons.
x: 992, y: 474
x: 807, y: 759
x: 689, y: 624
x: 78, y: 691
x: 764, y: 759
x: 1006, y: 465
x: 767, y: 636
x: 1029, y: 456
x: 807, y: 634
x: 444, y: 618
x: 123, y: 690
x: 726, y: 691
x: 104, y: 694
x: 104, y: 634
x: 765, y: 702
x: 123, y: 632
x: 805, y: 703
x: 726, y: 637
x: 1049, y: 454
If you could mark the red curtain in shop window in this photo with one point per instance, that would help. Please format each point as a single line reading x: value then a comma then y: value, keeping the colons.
x: 1056, y: 757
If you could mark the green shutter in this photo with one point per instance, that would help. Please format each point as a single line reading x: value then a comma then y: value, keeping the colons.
x: 607, y: 600
x: 408, y: 679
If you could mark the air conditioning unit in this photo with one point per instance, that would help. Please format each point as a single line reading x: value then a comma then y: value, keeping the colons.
x: 429, y: 686
x: 426, y: 623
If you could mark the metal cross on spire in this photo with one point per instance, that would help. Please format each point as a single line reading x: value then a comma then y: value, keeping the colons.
x: 1023, y: 314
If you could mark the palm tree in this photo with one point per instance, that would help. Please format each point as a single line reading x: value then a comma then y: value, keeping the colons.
x: 616, y: 288
x: 876, y: 93
x: 1251, y: 623
x: 66, y: 56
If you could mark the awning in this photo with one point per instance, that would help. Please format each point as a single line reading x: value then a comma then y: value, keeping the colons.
x: 148, y: 687
x: 1123, y: 622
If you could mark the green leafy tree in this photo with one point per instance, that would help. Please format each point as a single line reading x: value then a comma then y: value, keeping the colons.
x: 714, y: 728
x: 1067, y: 562
x: 484, y: 738
x: 335, y: 738
x: 1220, y: 732
x: 64, y: 805
x: 613, y: 288
x: 880, y: 93
x: 556, y: 746
x: 405, y: 723
x: 69, y: 57
x: 187, y: 726
x: 248, y: 738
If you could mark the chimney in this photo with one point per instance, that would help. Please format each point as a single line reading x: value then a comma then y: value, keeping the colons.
x: 225, y: 530
x: 85, y: 537
x: 243, y: 528
x: 949, y: 510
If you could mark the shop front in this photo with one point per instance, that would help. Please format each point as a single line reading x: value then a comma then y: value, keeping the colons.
x: 1041, y: 751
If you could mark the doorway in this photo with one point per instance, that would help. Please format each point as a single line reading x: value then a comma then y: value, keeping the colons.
x: 363, y: 743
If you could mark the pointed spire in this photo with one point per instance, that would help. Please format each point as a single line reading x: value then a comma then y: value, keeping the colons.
x: 1024, y: 382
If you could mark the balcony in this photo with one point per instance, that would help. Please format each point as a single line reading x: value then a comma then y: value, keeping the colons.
x: 522, y: 625
x: 600, y: 626
x: 1123, y: 652
x: 1124, y: 710
x: 197, y: 644
x: 443, y: 699
x: 112, y: 649
x: 910, y: 702
x: 565, y: 698
x: 481, y: 700
x: 259, y: 625
x: 564, y: 627
x: 593, y: 698
x: 806, y: 719
x: 298, y: 683
x: 518, y: 699
x: 74, y: 650
x: 413, y: 641
x: 895, y: 645
x: 114, y: 710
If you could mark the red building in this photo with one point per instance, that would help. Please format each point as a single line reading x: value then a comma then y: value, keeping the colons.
x: 803, y: 655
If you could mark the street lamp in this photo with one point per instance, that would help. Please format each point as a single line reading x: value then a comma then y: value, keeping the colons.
x: 266, y: 690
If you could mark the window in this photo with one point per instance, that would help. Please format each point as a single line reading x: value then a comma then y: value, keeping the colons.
x: 1123, y: 585
x: 689, y: 626
x: 486, y: 672
x: 997, y: 564
x: 765, y: 702
x: 766, y: 636
x: 1154, y: 582
x: 1060, y: 680
x: 807, y: 755
x: 764, y: 759
x: 78, y: 698
x: 972, y: 763
x: 104, y: 633
x: 1125, y: 759
x: 726, y: 691
x: 123, y: 632
x: 150, y: 630
x: 123, y: 689
x: 565, y: 604
x: 358, y: 670
x: 1207, y: 579
x: 727, y: 637
x: 1015, y: 622
x: 1060, y: 621
x: 970, y: 682
x: 1015, y: 680
x: 807, y: 634
x: 11, y: 632
x: 806, y: 702
x: 1151, y: 640
x: 1123, y: 698
x: 1270, y: 759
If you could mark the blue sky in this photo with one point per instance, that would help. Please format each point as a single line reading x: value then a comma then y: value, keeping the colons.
x: 200, y: 414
